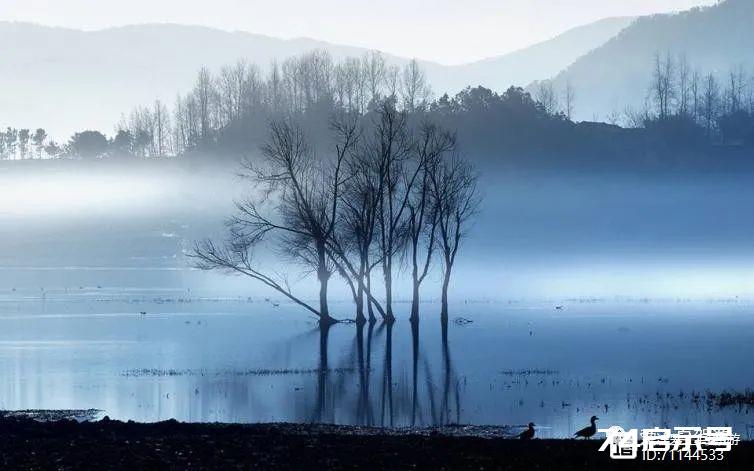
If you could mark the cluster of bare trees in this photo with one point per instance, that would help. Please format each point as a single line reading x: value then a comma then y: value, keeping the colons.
x: 147, y: 132
x: 242, y: 91
x: 553, y: 101
x: 679, y: 90
x: 388, y: 194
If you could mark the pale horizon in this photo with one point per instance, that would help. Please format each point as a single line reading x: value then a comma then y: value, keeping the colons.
x: 482, y: 28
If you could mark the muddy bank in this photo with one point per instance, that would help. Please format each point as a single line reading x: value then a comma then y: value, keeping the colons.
x: 64, y: 444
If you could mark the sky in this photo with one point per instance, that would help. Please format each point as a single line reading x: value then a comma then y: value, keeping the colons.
x: 446, y: 31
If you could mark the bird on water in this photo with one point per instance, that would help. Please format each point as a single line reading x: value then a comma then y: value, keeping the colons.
x: 588, y: 432
x: 527, y: 434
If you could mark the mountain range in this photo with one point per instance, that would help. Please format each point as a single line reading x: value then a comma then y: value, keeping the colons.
x: 616, y: 75
x: 68, y: 80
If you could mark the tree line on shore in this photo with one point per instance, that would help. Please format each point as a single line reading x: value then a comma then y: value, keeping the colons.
x: 719, y: 106
x: 689, y: 103
x: 387, y: 192
x: 227, y: 113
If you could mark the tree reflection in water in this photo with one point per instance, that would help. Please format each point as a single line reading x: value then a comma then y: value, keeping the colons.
x: 337, y: 400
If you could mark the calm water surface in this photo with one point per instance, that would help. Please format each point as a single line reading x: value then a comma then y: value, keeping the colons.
x: 238, y: 360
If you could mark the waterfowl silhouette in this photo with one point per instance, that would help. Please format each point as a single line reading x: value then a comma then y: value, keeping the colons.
x: 588, y: 432
x: 527, y: 434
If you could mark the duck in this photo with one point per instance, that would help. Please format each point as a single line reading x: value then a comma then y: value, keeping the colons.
x: 588, y: 432
x: 527, y: 434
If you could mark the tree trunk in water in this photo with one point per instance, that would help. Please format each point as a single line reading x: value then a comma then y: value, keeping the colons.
x: 370, y: 307
x: 387, y: 381
x: 324, y: 331
x: 415, y: 280
x: 444, y: 299
x: 415, y: 302
x: 370, y: 331
x: 324, y: 276
x: 362, y: 405
x: 444, y: 408
x: 415, y: 369
x: 360, y: 319
x: 389, y: 317
x: 324, y: 310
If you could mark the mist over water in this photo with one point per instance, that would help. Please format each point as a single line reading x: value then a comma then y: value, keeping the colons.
x: 100, y: 307
x: 538, y: 235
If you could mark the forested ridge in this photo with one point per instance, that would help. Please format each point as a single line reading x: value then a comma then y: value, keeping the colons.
x: 691, y: 119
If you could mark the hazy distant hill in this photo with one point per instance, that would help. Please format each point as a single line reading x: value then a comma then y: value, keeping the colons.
x: 542, y: 60
x: 714, y: 39
x: 68, y: 80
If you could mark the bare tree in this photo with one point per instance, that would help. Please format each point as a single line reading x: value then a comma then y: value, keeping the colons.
x: 373, y: 65
x: 734, y: 93
x: 306, y: 194
x: 161, y: 134
x: 253, y: 91
x: 710, y: 103
x: 663, y: 90
x: 684, y: 85
x: 546, y: 96
x: 204, y: 94
x: 141, y: 125
x: 232, y: 85
x: 350, y: 85
x: 696, y: 95
x: 613, y: 117
x: 274, y: 86
x: 415, y: 91
x: 636, y: 118
x: 569, y: 99
x: 391, y: 149
x: 392, y: 82
x: 456, y: 199
x: 307, y: 80
x: 357, y: 231
x: 185, y: 132
x: 432, y: 144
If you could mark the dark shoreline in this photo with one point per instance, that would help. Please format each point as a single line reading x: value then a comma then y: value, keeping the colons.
x: 108, y: 444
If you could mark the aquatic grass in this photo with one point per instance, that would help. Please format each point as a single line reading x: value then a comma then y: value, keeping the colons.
x: 732, y: 398
x: 530, y: 372
x: 157, y: 372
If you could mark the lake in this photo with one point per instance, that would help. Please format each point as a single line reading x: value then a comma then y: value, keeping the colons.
x: 634, y: 363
